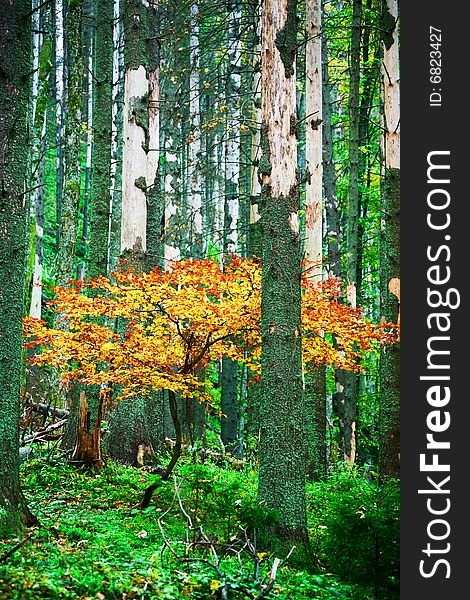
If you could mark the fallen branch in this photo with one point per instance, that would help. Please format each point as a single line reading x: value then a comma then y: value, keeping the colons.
x: 45, y: 409
x: 216, y: 561
x: 39, y: 434
x: 272, y: 575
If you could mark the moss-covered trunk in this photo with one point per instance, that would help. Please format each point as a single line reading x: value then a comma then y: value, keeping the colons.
x: 389, y: 456
x: 389, y: 451
x: 230, y: 421
x: 15, y: 48
x: 315, y: 406
x: 282, y: 411
x: 100, y: 196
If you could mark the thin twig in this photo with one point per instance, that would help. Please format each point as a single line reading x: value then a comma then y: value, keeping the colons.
x: 17, y: 547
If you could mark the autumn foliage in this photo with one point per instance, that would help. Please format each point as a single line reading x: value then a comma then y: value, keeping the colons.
x: 158, y: 330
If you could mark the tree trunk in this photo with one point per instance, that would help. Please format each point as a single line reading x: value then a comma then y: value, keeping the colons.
x: 155, y: 201
x: 315, y: 392
x: 15, y: 57
x: 329, y: 172
x: 73, y: 127
x: 135, y: 131
x: 114, y: 225
x: 255, y: 188
x: 59, y: 68
x: 172, y: 132
x: 87, y: 449
x: 389, y: 457
x: 229, y: 424
x: 138, y: 422
x: 68, y: 205
x: 282, y: 410
x: 194, y: 208
x: 346, y: 381
x: 40, y: 133
x: 100, y: 194
x: 87, y: 119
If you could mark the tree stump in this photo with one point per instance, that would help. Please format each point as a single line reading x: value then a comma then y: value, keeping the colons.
x: 87, y: 449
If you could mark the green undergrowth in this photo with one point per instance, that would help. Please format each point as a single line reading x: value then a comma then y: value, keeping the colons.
x: 94, y: 542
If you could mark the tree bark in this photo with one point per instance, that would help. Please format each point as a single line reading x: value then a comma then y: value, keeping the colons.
x: 229, y: 424
x: 195, y: 186
x: 15, y: 48
x: 59, y: 85
x: 389, y: 451
x: 39, y: 155
x: 137, y: 422
x: 282, y: 410
x: 315, y: 392
x: 100, y: 194
x: 73, y: 125
x: 87, y: 449
x: 347, y: 381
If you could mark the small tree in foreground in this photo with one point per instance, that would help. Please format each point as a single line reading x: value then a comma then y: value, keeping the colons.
x: 173, y: 323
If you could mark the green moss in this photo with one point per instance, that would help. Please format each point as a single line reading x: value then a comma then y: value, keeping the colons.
x: 282, y: 410
x: 141, y: 183
x: 286, y: 39
x: 387, y: 26
x: 45, y: 63
x: 72, y: 186
x: 264, y: 165
x: 140, y: 111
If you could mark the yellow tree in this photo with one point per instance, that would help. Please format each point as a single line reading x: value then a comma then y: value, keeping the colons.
x: 179, y: 320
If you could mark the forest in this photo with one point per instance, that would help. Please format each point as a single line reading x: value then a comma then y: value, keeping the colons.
x: 199, y: 299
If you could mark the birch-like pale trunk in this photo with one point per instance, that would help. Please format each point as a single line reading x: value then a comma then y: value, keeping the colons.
x: 36, y: 48
x: 218, y: 196
x: 172, y: 133
x: 315, y: 388
x: 38, y: 153
x: 68, y: 224
x: 232, y: 150
x: 34, y: 163
x: 172, y: 249
x: 195, y: 184
x: 114, y: 222
x: 313, y: 142
x: 134, y: 161
x: 59, y: 56
x: 35, y: 309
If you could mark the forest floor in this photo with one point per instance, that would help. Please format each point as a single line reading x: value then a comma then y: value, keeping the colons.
x: 94, y: 542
